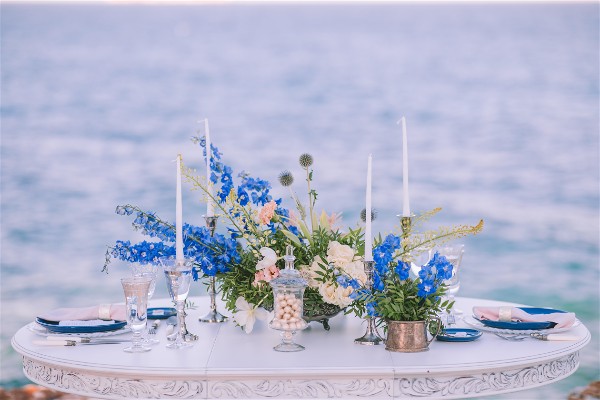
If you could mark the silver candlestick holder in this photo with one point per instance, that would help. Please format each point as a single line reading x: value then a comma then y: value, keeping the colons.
x: 405, y: 225
x: 213, y: 316
x: 370, y: 337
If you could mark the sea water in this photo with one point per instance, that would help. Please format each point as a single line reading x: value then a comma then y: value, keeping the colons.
x: 501, y: 104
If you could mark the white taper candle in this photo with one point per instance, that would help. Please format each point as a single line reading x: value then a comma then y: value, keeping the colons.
x: 178, y: 215
x: 368, y: 235
x: 405, y: 202
x: 210, y: 207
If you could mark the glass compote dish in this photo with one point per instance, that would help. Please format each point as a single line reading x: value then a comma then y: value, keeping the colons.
x: 149, y: 271
x: 454, y: 254
x: 136, y: 302
x: 288, y: 307
x: 178, y: 274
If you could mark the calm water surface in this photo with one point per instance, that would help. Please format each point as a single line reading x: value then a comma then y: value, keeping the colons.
x: 501, y: 104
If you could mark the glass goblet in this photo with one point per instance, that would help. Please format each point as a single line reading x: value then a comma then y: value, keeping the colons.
x: 136, y: 305
x: 178, y: 274
x: 454, y: 254
x: 150, y: 271
x: 420, y: 254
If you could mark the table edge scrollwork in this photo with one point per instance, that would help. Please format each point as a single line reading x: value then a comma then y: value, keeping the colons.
x: 111, y: 387
x: 487, y: 383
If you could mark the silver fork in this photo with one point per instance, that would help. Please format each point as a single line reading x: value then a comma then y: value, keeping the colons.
x: 154, y: 327
x: 512, y: 338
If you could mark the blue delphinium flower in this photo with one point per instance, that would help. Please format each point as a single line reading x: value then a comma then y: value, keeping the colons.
x: 383, y: 255
x: 443, y: 267
x: 211, y: 253
x: 242, y: 196
x: 378, y: 284
x: 226, y: 184
x: 431, y: 275
x: 403, y: 269
x: 143, y: 253
x: 371, y: 309
x: 124, y: 210
x: 346, y: 281
x: 426, y: 287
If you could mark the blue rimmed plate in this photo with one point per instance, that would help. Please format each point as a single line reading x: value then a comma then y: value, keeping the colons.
x: 161, y: 312
x: 53, y: 326
x: 514, y: 325
x: 459, y: 335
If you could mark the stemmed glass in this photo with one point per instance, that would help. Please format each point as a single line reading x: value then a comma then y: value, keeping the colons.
x: 454, y: 254
x: 178, y: 274
x: 149, y: 271
x: 136, y: 301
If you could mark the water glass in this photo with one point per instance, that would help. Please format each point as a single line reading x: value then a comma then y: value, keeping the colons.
x: 136, y: 301
x: 149, y: 271
x: 454, y: 254
x: 146, y: 270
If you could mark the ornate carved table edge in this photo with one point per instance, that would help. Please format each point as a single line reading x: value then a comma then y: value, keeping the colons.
x: 98, y: 385
x: 377, y: 386
x: 486, y: 383
x: 313, y: 387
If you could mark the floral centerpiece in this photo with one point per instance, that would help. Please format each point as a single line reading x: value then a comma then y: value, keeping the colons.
x: 259, y: 228
x: 324, y: 254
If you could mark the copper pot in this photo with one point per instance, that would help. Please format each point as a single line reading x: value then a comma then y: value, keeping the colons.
x: 410, y: 336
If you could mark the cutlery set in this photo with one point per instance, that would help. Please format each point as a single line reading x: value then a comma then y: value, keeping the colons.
x: 56, y: 340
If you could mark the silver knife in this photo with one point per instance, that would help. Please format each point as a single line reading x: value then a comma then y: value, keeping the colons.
x: 87, y: 340
x: 68, y: 342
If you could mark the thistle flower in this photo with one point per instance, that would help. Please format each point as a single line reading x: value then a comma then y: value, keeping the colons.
x: 306, y: 160
x: 363, y: 214
x: 286, y: 178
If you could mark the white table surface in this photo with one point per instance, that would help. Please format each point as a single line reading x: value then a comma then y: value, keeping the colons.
x: 228, y: 363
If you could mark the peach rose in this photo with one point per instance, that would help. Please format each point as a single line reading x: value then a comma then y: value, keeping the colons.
x: 267, y: 212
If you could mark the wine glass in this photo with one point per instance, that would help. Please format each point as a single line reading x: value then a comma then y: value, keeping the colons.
x: 136, y: 301
x: 453, y: 254
x: 150, y: 271
x: 421, y: 254
x: 178, y: 274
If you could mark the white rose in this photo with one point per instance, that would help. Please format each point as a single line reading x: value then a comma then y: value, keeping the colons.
x: 309, y: 272
x: 356, y: 270
x: 338, y: 296
x: 269, y: 258
x: 328, y: 293
x: 339, y: 254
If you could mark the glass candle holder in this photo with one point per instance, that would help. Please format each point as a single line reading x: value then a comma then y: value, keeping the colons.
x: 288, y: 304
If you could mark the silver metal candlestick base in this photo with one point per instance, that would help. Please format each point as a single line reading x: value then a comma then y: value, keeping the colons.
x: 370, y: 338
x: 213, y: 316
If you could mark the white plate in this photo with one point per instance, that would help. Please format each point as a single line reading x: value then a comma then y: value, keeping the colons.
x: 469, y: 320
x: 40, y: 330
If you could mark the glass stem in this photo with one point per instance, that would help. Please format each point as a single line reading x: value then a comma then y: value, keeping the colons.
x: 136, y: 340
x: 181, y: 320
x: 287, y: 336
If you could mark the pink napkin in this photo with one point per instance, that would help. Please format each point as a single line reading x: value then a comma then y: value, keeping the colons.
x: 563, y: 320
x: 107, y: 312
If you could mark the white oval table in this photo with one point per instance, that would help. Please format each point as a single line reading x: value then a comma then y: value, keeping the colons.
x: 227, y: 363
